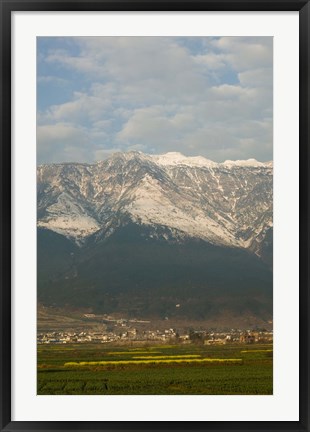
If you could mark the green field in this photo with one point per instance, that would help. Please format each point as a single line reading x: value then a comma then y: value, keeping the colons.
x: 97, y: 369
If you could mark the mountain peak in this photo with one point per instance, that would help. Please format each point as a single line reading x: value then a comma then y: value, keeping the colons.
x: 176, y: 158
x: 193, y: 195
x: 137, y: 232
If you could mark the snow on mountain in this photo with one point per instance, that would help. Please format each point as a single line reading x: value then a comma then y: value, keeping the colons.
x: 152, y: 205
x: 175, y: 158
x: 68, y: 218
x: 226, y: 204
x: 248, y: 162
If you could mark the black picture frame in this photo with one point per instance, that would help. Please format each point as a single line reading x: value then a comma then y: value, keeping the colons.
x: 7, y: 7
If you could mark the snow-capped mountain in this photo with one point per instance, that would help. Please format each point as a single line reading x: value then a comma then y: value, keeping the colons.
x: 137, y: 234
x: 174, y: 196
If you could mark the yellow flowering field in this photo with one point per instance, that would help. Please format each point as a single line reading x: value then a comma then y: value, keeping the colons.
x: 184, y: 356
x: 132, y: 352
x: 162, y: 361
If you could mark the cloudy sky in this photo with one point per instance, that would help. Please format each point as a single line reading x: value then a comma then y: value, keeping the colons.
x: 198, y: 96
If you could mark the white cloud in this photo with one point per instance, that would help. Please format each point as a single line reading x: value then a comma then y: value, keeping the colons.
x: 83, y: 106
x: 244, y: 53
x: 62, y: 142
x: 257, y: 77
x: 154, y: 94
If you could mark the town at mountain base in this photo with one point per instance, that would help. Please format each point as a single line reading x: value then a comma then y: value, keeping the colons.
x: 163, y: 237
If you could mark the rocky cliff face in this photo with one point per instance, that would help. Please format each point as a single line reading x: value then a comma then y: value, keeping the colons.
x: 174, y: 196
x: 137, y: 235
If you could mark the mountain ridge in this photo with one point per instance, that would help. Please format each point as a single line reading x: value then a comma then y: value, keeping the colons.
x: 137, y: 236
x: 193, y: 195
